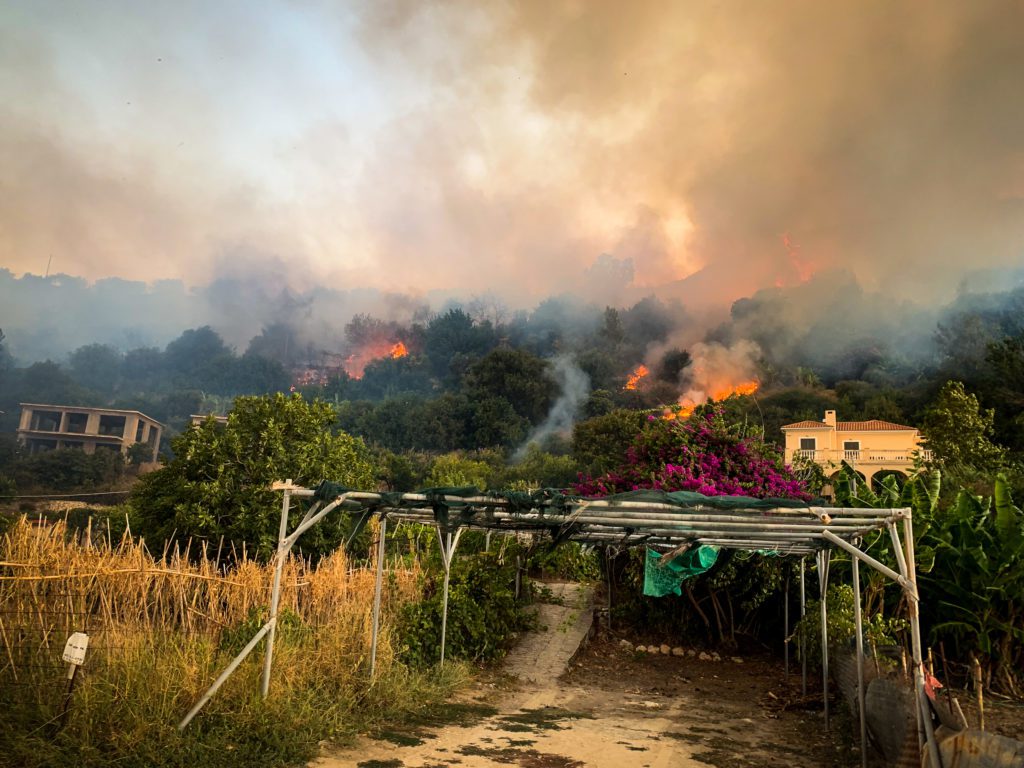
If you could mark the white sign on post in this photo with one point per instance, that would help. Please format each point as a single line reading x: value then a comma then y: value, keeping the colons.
x: 74, y: 649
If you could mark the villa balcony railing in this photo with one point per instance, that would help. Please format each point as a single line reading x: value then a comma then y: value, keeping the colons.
x: 865, y: 457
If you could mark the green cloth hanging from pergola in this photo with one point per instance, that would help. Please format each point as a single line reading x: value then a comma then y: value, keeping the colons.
x: 665, y: 576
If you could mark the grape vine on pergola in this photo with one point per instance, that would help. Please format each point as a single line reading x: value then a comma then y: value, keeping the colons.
x: 674, y: 521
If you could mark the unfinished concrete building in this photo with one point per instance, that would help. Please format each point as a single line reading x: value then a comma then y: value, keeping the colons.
x: 48, y: 427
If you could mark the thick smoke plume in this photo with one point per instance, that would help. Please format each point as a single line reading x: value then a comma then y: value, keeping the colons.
x: 717, y: 371
x: 574, y: 387
x: 708, y: 150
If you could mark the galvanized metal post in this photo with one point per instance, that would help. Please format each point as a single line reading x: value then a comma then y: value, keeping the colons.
x: 376, y: 594
x: 924, y: 713
x: 803, y: 627
x: 823, y: 561
x: 224, y: 676
x: 859, y: 622
x: 609, y: 563
x: 275, y: 594
x: 785, y: 621
x: 446, y: 557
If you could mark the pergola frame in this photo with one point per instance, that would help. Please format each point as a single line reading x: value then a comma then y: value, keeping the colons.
x: 784, y: 530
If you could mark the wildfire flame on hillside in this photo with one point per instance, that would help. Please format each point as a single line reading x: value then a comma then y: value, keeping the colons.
x: 717, y: 373
x: 355, y: 364
x: 687, y: 404
x: 634, y: 378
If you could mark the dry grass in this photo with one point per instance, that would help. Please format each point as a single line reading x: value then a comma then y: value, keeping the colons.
x: 162, y: 627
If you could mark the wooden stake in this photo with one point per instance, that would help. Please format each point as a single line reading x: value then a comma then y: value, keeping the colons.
x: 978, y: 690
x: 945, y: 675
x: 960, y: 714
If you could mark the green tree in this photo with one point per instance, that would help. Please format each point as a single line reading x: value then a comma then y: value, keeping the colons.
x: 959, y: 432
x: 1006, y: 390
x: 453, y: 469
x: 252, y: 375
x: 196, y: 357
x: 603, y: 368
x: 453, y: 340
x: 673, y: 364
x: 47, y: 382
x: 600, y: 443
x: 218, y: 483
x: 389, y: 376
x: 539, y: 469
x: 6, y: 362
x: 611, y: 331
x: 68, y: 469
x: 96, y: 366
x: 494, y: 422
x: 143, y: 369
x: 277, y: 341
x: 519, y: 377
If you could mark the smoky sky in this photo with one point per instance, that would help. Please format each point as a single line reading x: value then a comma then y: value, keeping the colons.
x: 698, y: 150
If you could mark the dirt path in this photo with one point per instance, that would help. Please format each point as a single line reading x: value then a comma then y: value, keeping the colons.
x: 614, y: 708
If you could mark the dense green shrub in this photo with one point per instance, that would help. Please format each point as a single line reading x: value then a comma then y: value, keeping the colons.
x: 841, y: 625
x: 483, y: 613
x: 67, y: 470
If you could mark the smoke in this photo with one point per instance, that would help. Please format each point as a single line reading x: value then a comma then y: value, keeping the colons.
x: 708, y: 151
x: 834, y: 168
x: 49, y: 317
x: 575, y: 387
x: 718, y: 370
x: 728, y: 148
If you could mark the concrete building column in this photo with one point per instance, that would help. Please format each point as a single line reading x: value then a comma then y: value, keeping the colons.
x: 131, y: 426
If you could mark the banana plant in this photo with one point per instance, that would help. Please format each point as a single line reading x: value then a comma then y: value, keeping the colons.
x: 970, y: 565
x: 974, y: 595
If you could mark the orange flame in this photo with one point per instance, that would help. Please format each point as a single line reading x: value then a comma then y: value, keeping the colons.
x: 634, y: 378
x: 355, y: 364
x: 687, y: 405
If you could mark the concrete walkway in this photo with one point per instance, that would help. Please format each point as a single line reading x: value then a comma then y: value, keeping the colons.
x: 616, y: 708
x: 564, y: 620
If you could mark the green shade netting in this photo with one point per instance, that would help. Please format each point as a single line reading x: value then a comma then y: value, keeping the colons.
x: 663, y: 576
x: 686, y: 499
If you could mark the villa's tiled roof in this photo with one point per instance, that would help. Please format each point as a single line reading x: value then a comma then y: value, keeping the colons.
x: 873, y: 425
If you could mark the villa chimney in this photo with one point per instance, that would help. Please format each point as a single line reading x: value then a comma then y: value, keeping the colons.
x: 830, y: 418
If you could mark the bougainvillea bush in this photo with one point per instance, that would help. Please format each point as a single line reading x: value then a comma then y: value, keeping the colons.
x: 702, y: 454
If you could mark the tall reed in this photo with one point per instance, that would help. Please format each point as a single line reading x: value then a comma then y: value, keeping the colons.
x: 162, y: 627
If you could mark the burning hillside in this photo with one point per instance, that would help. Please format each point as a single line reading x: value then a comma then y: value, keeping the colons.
x: 355, y: 364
